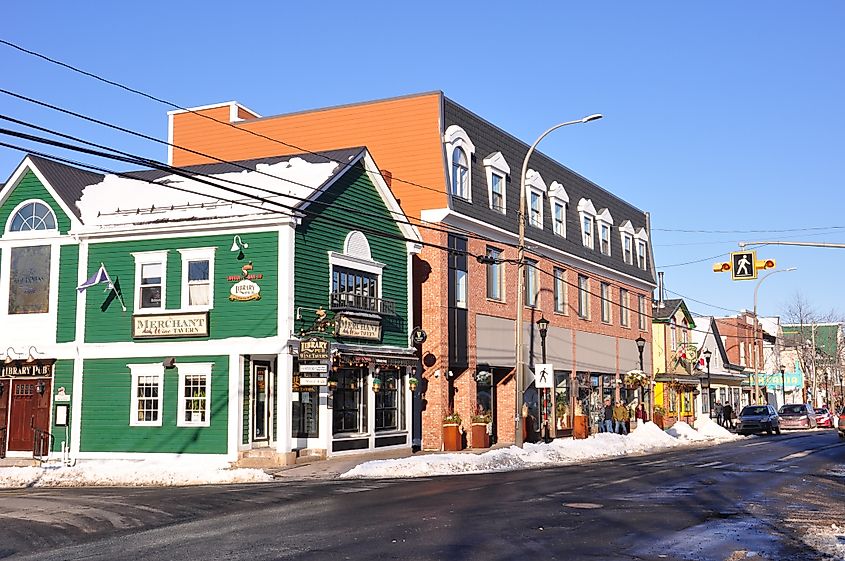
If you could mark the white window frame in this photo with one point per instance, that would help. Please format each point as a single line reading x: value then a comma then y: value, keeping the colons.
x: 604, y: 223
x: 584, y: 297
x: 560, y: 291
x: 642, y: 243
x: 673, y: 334
x: 626, y: 233
x: 495, y: 165
x: 558, y: 197
x: 641, y: 311
x: 495, y: 273
x: 587, y: 213
x: 461, y: 288
x: 535, y: 187
x: 193, y: 369
x: 46, y: 233
x: 137, y: 371
x: 606, y: 302
x: 197, y: 254
x: 624, y: 307
x: 532, y: 283
x: 535, y: 214
x: 149, y: 258
x: 456, y: 137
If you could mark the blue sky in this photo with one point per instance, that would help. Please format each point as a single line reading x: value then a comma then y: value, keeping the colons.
x: 719, y: 116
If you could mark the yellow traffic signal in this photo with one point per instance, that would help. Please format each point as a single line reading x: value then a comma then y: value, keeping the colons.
x: 721, y: 267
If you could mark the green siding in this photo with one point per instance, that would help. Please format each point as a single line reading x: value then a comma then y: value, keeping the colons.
x: 327, y: 231
x: 105, y: 321
x: 62, y: 378
x: 29, y: 187
x: 106, y: 407
x: 68, y: 266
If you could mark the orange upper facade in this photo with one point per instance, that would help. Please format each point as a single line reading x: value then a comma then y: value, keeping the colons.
x: 403, y: 134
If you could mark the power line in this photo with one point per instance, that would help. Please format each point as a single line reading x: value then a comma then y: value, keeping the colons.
x: 778, y: 230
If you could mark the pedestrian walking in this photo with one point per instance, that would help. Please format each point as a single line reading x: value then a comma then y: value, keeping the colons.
x: 719, y: 414
x: 608, y: 415
x: 620, y: 417
x: 728, y: 415
x: 640, y: 414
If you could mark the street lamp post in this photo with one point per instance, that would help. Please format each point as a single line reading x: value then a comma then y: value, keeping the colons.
x: 783, y: 383
x: 707, y: 354
x: 640, y: 347
x: 543, y: 327
x: 520, y: 282
x: 757, y: 355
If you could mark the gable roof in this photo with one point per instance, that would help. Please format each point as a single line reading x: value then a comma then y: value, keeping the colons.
x: 670, y: 307
x: 67, y: 181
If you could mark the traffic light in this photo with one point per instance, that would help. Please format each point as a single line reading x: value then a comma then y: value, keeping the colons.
x: 721, y: 267
x: 743, y: 265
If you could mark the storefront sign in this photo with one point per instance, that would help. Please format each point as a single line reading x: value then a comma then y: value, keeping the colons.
x: 23, y: 368
x: 245, y: 288
x: 315, y: 381
x: 359, y: 328
x: 313, y: 368
x: 29, y: 280
x: 418, y: 336
x: 170, y: 325
x: 314, y: 348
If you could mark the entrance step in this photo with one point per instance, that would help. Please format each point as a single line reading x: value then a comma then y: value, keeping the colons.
x: 264, y: 458
x: 19, y: 462
x: 308, y: 455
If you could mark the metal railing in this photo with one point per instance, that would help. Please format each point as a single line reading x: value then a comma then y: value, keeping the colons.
x: 42, y: 443
x: 341, y: 301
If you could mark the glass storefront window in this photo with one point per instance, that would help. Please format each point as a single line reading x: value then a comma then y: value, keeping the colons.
x: 389, y: 401
x: 562, y: 413
x: 349, y: 412
x: 305, y: 413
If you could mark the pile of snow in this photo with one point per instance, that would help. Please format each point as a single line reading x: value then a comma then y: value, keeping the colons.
x: 683, y: 431
x: 129, y: 473
x: 708, y: 427
x: 646, y: 438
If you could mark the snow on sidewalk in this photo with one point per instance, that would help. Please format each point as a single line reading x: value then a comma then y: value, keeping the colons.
x: 646, y: 438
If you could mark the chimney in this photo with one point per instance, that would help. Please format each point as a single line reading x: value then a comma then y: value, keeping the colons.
x: 660, y: 302
x: 388, y: 177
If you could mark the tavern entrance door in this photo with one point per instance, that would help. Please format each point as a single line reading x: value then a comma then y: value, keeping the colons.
x: 29, y: 409
x: 5, y: 385
x: 261, y: 409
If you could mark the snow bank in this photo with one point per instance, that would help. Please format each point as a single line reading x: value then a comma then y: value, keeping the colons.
x: 708, y: 427
x: 645, y: 438
x: 129, y: 473
x: 683, y: 431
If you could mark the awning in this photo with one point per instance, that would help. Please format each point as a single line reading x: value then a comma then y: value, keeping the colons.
x: 669, y: 378
x: 389, y: 356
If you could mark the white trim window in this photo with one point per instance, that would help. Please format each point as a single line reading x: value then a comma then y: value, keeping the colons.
x: 626, y: 231
x: 642, y: 249
x: 147, y: 395
x: 459, y: 152
x: 605, y: 222
x: 354, y: 278
x: 560, y: 290
x: 673, y: 334
x: 150, y: 280
x: 559, y: 200
x: 497, y: 171
x: 583, y: 297
x: 624, y: 308
x: 532, y: 283
x: 535, y: 190
x: 194, y: 408
x: 641, y: 317
x: 605, y: 303
x: 197, y: 278
x: 460, y: 288
x: 32, y: 215
x: 495, y: 275
x: 587, y: 212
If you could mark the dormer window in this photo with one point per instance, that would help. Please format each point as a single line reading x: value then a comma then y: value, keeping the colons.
x: 641, y: 239
x: 604, y: 221
x: 588, y: 217
x: 626, y: 230
x: 459, y: 150
x: 535, y: 189
x: 559, y: 201
x: 497, y: 170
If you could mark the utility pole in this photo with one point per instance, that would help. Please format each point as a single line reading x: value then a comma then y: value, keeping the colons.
x: 813, y: 338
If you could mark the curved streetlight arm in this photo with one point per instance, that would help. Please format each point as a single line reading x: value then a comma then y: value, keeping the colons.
x: 520, y: 278
x: 756, y: 323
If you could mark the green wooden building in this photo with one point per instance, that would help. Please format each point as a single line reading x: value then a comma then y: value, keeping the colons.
x: 250, y: 311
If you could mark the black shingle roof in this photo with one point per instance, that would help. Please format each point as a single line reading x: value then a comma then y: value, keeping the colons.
x: 670, y: 306
x: 488, y: 139
x: 67, y: 181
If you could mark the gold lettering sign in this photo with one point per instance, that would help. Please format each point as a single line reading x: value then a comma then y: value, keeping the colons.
x: 29, y: 280
x: 170, y: 325
x: 40, y: 367
x: 313, y: 348
x: 359, y: 328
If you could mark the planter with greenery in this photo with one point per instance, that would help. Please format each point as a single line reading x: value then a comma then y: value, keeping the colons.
x: 452, y: 437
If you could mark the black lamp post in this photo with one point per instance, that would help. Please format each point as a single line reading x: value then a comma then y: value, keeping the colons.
x: 783, y: 382
x: 640, y: 347
x: 707, y: 354
x: 543, y: 327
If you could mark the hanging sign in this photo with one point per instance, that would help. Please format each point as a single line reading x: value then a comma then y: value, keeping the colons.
x: 170, y: 325
x: 358, y: 328
x: 314, y: 348
x: 313, y: 368
x: 418, y: 336
x: 313, y: 381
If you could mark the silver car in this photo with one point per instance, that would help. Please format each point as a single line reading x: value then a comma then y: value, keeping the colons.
x: 758, y: 418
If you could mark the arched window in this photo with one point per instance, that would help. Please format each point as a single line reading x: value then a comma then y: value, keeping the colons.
x: 33, y: 216
x: 460, y: 174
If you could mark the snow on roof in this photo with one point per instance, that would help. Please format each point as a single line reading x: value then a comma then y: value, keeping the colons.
x: 156, y: 197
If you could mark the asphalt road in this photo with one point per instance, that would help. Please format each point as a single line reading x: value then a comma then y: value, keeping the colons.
x: 759, y: 499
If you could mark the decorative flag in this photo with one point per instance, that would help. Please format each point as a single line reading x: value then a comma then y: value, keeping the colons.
x: 100, y: 276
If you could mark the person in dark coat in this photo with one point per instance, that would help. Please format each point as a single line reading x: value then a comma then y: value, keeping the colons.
x: 728, y: 415
x: 640, y: 414
x: 608, y: 415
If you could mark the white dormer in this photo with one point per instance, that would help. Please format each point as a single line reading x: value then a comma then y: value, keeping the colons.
x: 626, y: 232
x: 497, y: 170
x: 604, y: 221
x: 641, y: 238
x: 459, y: 152
x: 535, y: 190
x: 559, y: 201
x: 587, y: 212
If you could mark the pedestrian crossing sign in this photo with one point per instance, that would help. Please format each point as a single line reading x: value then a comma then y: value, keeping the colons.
x: 544, y: 376
x: 744, y: 265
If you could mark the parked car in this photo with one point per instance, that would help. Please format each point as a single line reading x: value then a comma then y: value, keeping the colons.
x: 824, y: 418
x: 840, y: 425
x: 797, y: 416
x: 758, y: 418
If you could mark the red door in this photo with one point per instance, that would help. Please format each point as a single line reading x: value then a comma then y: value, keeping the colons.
x: 5, y: 384
x: 29, y: 409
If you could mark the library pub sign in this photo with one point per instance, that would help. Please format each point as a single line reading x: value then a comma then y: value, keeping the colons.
x: 39, y: 367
